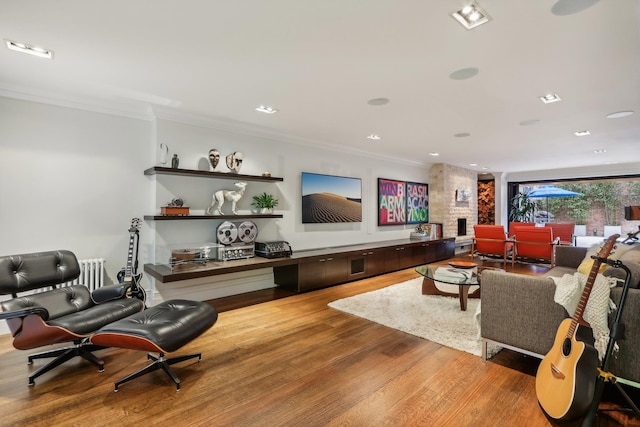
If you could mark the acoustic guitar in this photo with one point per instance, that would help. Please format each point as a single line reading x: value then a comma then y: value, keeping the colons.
x: 128, y: 273
x: 566, y: 377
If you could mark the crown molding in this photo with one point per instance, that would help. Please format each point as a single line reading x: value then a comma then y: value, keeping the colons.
x: 85, y: 103
x: 148, y: 112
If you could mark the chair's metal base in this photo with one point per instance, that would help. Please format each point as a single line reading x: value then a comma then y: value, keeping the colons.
x: 159, y: 362
x: 80, y: 348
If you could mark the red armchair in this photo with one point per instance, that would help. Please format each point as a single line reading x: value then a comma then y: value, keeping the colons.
x: 562, y: 231
x: 535, y: 244
x: 491, y: 240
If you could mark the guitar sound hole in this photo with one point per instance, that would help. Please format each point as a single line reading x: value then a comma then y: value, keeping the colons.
x: 566, y: 347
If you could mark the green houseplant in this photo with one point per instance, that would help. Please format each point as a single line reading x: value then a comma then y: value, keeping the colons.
x: 264, y: 202
x: 522, y: 208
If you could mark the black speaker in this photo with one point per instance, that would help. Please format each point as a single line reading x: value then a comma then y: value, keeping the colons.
x: 632, y: 213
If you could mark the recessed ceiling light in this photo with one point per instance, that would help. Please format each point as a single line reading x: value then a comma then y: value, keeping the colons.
x: 473, y: 164
x: 267, y: 109
x: 374, y: 137
x: 550, y: 97
x: 619, y: 114
x: 40, y: 52
x: 582, y: 133
x: 378, y: 101
x: 464, y: 73
x: 600, y: 151
x: 484, y: 168
x: 529, y: 122
x: 461, y: 134
x: 433, y: 153
x: 471, y: 16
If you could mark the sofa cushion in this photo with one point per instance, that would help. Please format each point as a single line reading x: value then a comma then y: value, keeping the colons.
x: 587, y: 262
x: 631, y: 259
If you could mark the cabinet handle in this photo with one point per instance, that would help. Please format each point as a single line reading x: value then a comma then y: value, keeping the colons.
x: 322, y: 260
x: 370, y: 253
x: 365, y: 254
x: 329, y: 259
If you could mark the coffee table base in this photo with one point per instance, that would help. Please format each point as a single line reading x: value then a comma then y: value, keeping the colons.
x: 429, y: 288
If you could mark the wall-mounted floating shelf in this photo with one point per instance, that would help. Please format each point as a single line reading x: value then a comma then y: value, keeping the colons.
x: 159, y: 170
x: 194, y: 217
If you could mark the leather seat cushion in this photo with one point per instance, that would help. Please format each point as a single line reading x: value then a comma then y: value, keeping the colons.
x: 86, y: 321
x: 165, y: 327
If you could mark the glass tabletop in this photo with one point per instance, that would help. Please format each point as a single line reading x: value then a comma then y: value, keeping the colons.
x: 454, y: 276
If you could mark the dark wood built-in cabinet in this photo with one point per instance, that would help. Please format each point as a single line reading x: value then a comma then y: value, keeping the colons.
x: 315, y: 269
x: 340, y: 265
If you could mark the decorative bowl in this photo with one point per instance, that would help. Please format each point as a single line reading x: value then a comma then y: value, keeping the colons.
x: 463, y: 264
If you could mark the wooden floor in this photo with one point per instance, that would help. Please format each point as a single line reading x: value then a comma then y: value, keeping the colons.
x: 286, y: 362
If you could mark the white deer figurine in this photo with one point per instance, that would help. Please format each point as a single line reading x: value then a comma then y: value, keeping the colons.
x: 232, y: 195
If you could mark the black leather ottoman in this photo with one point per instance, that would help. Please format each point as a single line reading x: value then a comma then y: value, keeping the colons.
x: 163, y: 328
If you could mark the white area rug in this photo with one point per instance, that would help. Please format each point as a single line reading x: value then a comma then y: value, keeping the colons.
x: 435, y: 318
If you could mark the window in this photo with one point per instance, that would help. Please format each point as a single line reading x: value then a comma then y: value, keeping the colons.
x: 593, y: 203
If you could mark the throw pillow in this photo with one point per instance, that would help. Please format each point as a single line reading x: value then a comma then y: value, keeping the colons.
x: 587, y: 262
x: 631, y: 259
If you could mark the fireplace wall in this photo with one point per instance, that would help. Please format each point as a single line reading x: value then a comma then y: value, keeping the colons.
x: 443, y: 207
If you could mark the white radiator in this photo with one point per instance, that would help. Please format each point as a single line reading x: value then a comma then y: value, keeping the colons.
x: 91, y: 273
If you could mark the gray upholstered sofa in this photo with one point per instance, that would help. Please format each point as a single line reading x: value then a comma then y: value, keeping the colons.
x: 519, y: 313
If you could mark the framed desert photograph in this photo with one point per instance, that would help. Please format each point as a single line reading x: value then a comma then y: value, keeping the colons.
x: 330, y: 198
x: 391, y: 202
x: 417, y: 203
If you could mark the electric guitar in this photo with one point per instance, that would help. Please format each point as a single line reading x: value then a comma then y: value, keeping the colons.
x: 632, y: 237
x: 129, y: 273
x: 566, y: 377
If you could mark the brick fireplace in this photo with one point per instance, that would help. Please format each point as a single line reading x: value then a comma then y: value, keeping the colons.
x: 445, y: 207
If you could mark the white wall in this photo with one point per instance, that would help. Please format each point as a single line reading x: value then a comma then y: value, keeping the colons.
x: 71, y: 179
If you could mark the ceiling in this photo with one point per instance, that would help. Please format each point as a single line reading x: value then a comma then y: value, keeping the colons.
x: 320, y: 62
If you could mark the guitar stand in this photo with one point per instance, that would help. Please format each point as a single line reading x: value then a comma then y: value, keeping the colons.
x: 604, y: 377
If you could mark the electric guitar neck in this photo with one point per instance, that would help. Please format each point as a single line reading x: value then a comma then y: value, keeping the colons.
x: 129, y: 273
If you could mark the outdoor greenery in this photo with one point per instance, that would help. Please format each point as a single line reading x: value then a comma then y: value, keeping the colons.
x: 608, y: 197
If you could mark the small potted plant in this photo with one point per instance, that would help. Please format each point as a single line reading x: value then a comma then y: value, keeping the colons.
x: 264, y: 203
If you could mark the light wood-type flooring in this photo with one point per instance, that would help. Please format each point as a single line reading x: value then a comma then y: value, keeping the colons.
x: 289, y: 361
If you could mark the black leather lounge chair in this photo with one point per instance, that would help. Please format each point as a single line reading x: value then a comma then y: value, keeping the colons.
x: 64, y: 314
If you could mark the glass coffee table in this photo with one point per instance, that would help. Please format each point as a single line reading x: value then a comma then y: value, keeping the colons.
x: 463, y: 277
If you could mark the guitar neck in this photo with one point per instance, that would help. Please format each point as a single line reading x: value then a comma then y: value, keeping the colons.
x: 584, y: 298
x: 128, y: 270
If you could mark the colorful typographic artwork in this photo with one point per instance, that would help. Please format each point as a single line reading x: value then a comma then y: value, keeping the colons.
x: 391, y: 202
x: 417, y: 203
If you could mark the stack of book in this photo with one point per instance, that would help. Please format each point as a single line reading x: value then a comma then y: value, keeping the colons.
x: 452, y: 275
x: 428, y: 230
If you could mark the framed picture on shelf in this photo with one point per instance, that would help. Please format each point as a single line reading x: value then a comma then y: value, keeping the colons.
x: 392, y: 202
x: 417, y: 203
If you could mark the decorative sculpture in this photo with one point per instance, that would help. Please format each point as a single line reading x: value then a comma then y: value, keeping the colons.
x: 234, y: 161
x: 214, y: 157
x: 231, y: 195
